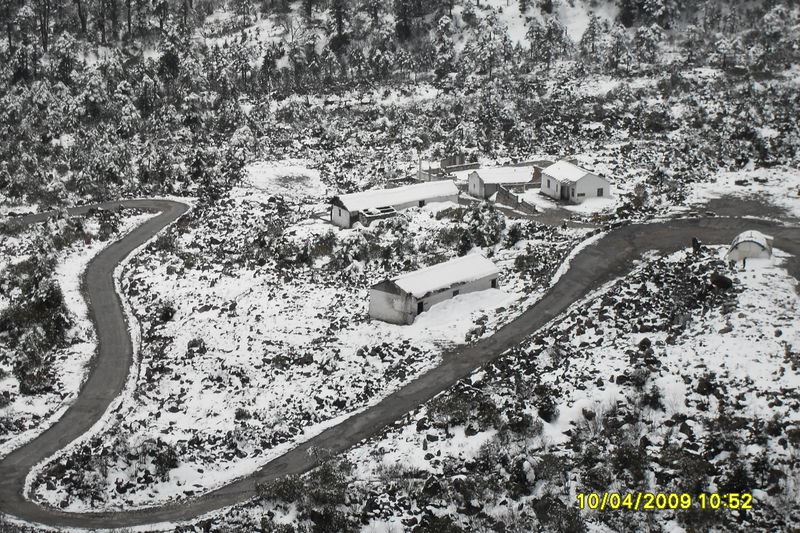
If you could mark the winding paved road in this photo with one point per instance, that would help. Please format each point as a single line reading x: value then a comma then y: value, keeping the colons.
x: 603, y: 261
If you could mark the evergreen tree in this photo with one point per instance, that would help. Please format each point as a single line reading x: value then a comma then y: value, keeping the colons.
x: 308, y: 8
x: 403, y: 14
x: 618, y: 53
x: 646, y: 42
x: 590, y: 38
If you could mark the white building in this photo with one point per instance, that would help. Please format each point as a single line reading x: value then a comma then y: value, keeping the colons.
x: 347, y: 209
x: 571, y: 183
x: 750, y: 244
x: 401, y: 299
x: 483, y: 183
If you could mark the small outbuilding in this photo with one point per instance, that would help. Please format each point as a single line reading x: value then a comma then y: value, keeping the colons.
x: 347, y: 209
x: 750, y: 244
x: 485, y: 182
x: 568, y: 182
x: 401, y: 299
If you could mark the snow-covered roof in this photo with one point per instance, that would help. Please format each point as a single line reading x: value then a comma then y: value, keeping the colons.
x: 565, y: 171
x: 454, y: 272
x: 359, y: 201
x: 500, y: 175
x: 765, y: 241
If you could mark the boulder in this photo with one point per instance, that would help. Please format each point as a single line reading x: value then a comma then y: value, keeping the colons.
x: 720, y: 281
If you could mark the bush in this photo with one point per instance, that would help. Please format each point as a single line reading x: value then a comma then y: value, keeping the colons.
x: 630, y: 458
x: 288, y: 489
x: 331, y: 520
x: 328, y: 483
x: 546, y: 404
x: 165, y: 312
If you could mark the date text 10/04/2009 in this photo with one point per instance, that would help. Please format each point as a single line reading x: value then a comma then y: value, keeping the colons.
x: 657, y: 501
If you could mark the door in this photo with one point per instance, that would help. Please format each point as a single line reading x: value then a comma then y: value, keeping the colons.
x: 420, y: 307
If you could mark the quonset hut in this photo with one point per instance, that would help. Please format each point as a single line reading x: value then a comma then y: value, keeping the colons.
x: 750, y: 244
x: 366, y: 206
x: 401, y: 299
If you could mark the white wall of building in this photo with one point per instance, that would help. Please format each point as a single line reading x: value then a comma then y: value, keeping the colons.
x: 550, y: 186
x: 340, y: 216
x: 589, y: 186
x: 402, y: 308
x: 475, y: 185
x: 390, y: 307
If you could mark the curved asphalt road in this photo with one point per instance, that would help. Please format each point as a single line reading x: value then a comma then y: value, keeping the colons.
x: 607, y: 259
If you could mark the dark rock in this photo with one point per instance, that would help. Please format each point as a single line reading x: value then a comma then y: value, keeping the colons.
x: 644, y: 344
x: 432, y: 487
x: 705, y: 386
x: 723, y: 282
x: 470, y: 431
x: 588, y: 414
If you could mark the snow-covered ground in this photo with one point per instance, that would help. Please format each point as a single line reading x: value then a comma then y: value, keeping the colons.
x: 292, y: 178
x: 257, y: 358
x: 35, y: 413
x: 589, y: 206
x: 741, y: 351
x: 778, y: 186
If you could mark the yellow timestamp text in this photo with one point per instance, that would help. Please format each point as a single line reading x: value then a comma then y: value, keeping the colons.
x: 659, y: 501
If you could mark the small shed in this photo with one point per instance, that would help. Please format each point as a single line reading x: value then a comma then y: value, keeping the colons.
x: 380, y: 203
x: 483, y: 183
x: 570, y: 183
x: 401, y: 299
x: 750, y: 244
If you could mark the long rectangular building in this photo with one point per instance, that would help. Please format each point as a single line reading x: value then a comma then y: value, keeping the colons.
x: 401, y: 299
x: 347, y: 209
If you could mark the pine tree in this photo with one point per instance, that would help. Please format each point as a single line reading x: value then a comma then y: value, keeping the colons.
x: 618, y: 50
x: 403, y: 14
x: 590, y: 37
x: 646, y: 42
x: 340, y: 15
x: 308, y: 8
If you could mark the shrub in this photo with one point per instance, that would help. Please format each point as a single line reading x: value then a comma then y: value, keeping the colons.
x: 287, y: 489
x: 331, y: 520
x: 546, y: 404
x: 653, y: 398
x: 631, y: 458
x: 165, y: 312
x: 164, y: 459
x: 328, y: 483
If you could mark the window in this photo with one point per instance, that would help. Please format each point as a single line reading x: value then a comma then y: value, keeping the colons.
x: 422, y: 203
x: 340, y: 212
x: 581, y: 194
x: 455, y: 293
x: 600, y: 191
x: 548, y: 183
x: 572, y: 190
x: 494, y: 283
x: 420, y: 307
